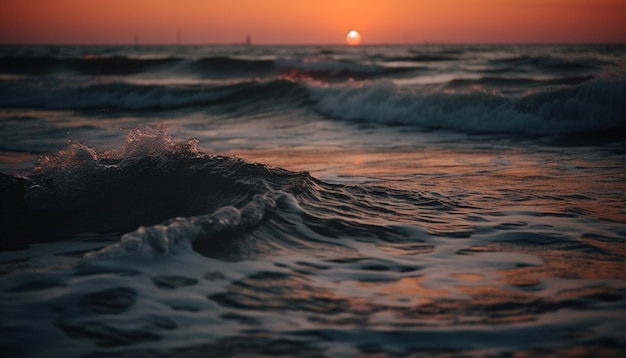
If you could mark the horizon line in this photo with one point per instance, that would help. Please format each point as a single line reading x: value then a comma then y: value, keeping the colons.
x: 307, y: 44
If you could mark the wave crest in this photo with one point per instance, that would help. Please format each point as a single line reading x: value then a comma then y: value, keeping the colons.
x: 170, y: 236
x: 595, y: 105
x: 221, y: 206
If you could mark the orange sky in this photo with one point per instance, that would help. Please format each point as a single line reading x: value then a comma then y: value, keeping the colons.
x: 311, y: 21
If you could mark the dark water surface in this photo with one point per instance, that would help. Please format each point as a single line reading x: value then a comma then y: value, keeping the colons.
x: 375, y: 201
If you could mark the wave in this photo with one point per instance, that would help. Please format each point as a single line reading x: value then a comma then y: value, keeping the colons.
x: 88, y: 65
x: 340, y: 71
x: 462, y: 105
x: 127, y: 96
x: 558, y: 106
x: 422, y: 58
x: 179, y: 197
x: 226, y: 67
x: 516, y: 82
x: 79, y: 188
x: 217, y: 67
x: 551, y: 63
x: 108, y: 95
x: 594, y: 105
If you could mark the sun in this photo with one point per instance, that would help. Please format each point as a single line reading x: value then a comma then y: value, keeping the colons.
x: 353, y: 38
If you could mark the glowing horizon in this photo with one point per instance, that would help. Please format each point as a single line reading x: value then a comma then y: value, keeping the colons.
x: 311, y: 22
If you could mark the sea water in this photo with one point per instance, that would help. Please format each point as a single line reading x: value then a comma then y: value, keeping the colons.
x: 372, y: 201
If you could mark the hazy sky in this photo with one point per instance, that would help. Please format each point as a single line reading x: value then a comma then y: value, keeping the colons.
x: 311, y: 21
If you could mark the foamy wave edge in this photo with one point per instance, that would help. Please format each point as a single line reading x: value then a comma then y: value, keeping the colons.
x: 595, y: 105
x: 176, y: 234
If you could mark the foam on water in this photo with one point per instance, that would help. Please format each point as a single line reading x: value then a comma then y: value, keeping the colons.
x: 165, y: 238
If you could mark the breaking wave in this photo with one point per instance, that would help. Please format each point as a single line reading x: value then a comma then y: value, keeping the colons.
x: 594, y: 105
x: 537, y: 107
x: 168, y: 196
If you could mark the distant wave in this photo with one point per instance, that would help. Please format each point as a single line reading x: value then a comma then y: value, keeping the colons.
x: 592, y: 105
x: 518, y: 81
x: 323, y: 70
x: 218, y: 67
x: 83, y: 66
x: 551, y: 63
x: 225, y: 67
x: 126, y: 96
x: 421, y: 58
x: 595, y: 105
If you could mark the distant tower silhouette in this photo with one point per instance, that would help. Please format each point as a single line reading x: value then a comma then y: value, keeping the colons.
x: 248, y: 40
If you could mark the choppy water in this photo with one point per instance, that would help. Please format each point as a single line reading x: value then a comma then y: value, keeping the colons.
x: 313, y: 201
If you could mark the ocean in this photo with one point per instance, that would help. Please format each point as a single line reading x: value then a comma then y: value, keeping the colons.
x: 313, y: 201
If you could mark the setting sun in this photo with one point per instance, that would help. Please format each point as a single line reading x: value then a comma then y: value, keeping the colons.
x: 353, y: 38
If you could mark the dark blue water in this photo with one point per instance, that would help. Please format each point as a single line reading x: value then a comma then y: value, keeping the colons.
x: 313, y: 201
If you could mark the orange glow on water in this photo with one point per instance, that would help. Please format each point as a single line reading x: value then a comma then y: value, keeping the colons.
x: 319, y: 22
x: 473, y: 168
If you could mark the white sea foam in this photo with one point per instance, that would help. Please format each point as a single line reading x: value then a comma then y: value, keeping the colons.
x: 178, y: 234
